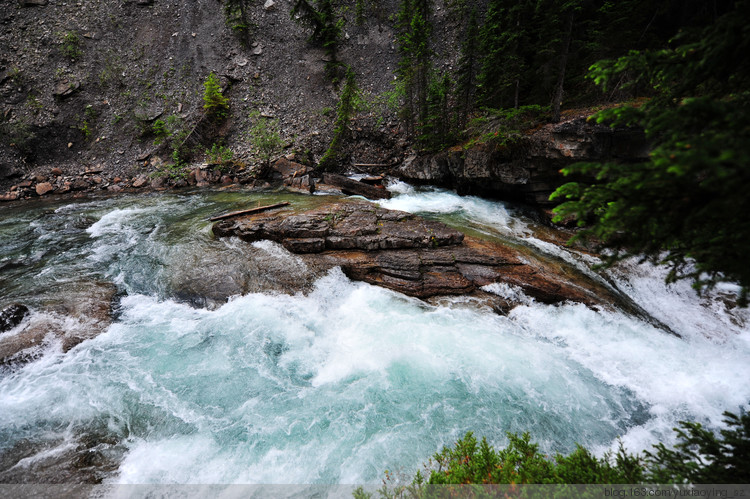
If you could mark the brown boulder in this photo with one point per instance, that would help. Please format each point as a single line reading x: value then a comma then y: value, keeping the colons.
x: 44, y: 188
x: 286, y: 169
x: 356, y: 188
x: 65, y: 88
x: 10, y: 196
x: 79, y: 185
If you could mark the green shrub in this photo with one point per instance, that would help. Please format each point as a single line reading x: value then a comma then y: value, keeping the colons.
x: 159, y: 128
x: 265, y: 138
x: 71, y: 45
x: 19, y: 134
x: 32, y: 101
x: 700, y: 457
x: 506, y: 127
x: 219, y: 155
x: 167, y: 130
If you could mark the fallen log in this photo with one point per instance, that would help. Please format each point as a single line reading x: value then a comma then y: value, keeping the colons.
x: 373, y: 180
x: 353, y: 187
x: 249, y: 212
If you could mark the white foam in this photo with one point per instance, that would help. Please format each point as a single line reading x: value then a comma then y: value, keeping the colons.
x: 278, y: 252
x: 114, y: 221
x: 509, y: 292
x: 713, y: 314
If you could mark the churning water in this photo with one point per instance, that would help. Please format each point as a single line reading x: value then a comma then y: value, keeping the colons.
x: 347, y: 380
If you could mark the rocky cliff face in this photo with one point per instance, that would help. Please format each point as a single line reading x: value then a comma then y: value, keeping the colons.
x: 529, y: 171
x: 81, y: 83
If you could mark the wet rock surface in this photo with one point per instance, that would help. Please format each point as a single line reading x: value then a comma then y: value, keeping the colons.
x: 12, y: 315
x: 77, y: 312
x: 88, y: 458
x: 405, y: 253
x: 342, y: 226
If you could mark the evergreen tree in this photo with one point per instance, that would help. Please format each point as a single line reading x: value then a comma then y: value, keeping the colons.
x: 237, y: 13
x: 325, y: 24
x: 467, y: 69
x: 415, y: 30
x: 686, y: 206
x: 214, y: 102
x: 507, y: 49
x: 568, y: 10
x: 346, y: 108
x: 436, y: 131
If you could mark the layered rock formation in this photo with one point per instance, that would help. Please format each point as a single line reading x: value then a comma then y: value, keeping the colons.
x: 406, y: 253
x: 528, y: 171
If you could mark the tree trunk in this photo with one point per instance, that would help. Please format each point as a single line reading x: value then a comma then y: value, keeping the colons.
x: 558, y: 94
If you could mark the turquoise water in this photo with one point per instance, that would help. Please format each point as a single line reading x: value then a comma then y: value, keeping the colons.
x: 342, y: 382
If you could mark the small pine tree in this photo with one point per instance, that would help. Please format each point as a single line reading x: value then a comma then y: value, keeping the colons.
x: 214, y: 102
x: 347, y: 106
x: 265, y: 137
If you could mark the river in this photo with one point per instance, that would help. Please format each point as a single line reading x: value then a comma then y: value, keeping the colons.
x: 346, y: 380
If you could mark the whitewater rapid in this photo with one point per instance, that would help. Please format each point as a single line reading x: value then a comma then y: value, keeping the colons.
x: 349, y: 380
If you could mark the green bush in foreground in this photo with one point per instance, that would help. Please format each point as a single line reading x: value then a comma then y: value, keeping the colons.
x: 700, y: 457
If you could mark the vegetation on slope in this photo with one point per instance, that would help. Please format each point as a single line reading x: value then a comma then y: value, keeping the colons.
x: 529, y: 52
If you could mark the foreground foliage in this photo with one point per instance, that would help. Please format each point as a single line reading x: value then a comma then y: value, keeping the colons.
x: 685, y: 206
x: 700, y: 457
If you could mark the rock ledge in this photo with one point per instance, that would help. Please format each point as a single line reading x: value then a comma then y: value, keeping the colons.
x: 404, y: 252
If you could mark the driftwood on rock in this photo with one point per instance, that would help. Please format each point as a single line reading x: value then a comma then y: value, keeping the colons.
x: 374, y: 180
x: 355, y: 188
x: 249, y: 212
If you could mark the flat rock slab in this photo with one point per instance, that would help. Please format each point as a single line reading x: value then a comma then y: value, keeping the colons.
x: 342, y: 226
x: 405, y: 252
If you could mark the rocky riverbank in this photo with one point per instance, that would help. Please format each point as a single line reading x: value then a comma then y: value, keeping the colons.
x: 530, y: 169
